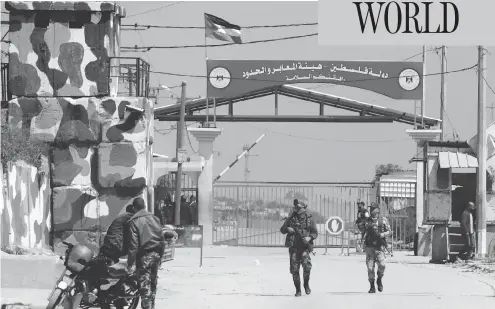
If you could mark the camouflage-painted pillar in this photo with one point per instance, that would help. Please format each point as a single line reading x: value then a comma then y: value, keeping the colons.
x: 205, y: 138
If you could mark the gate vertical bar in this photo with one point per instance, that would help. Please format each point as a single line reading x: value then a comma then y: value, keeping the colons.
x: 334, y: 205
x: 325, y: 229
x: 341, y: 236
x: 237, y: 220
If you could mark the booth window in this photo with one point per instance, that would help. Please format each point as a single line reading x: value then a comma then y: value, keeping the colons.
x: 42, y: 20
x: 79, y: 19
x: 443, y: 175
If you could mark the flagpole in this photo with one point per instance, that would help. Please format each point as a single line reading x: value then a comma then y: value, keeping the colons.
x: 207, y: 98
x: 224, y: 31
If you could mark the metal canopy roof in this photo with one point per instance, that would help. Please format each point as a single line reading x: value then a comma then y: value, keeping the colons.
x: 456, y: 160
x: 307, y: 95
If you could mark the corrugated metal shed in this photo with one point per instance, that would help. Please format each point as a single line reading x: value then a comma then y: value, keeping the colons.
x: 456, y: 160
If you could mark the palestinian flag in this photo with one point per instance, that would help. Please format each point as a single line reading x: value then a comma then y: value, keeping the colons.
x: 220, y: 29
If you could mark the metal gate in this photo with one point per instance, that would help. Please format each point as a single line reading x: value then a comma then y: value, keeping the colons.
x: 251, y: 213
x: 165, y: 195
x: 397, y: 200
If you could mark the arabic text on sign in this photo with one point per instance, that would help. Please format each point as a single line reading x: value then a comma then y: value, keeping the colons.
x: 300, y: 66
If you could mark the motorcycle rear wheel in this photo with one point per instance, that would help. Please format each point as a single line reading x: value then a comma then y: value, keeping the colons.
x: 55, y: 299
x: 135, y: 301
x: 130, y: 291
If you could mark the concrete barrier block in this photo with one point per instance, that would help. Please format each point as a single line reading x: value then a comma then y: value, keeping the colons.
x: 71, y: 166
x: 43, y: 271
x: 122, y: 165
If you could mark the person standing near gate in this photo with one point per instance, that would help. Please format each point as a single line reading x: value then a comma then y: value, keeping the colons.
x: 467, y: 231
x: 193, y: 205
x: 146, y: 244
x: 301, y: 231
x: 362, y: 216
x: 375, y: 230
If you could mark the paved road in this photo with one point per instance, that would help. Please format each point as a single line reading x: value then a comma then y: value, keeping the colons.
x: 227, y: 281
x: 259, y: 278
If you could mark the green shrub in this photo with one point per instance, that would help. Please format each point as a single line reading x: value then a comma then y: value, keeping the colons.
x: 15, y: 250
x: 16, y: 145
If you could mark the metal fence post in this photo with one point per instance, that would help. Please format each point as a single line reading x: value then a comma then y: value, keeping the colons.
x: 237, y: 218
x: 342, y: 244
x: 326, y: 243
x: 393, y: 234
x: 348, y: 241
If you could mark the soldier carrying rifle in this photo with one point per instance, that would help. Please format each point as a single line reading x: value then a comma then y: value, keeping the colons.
x: 301, y: 230
x: 375, y: 229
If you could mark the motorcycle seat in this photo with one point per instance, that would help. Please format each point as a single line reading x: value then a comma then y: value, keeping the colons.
x: 118, y: 270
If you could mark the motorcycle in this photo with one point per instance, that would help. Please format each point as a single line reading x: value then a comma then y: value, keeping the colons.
x: 82, y: 285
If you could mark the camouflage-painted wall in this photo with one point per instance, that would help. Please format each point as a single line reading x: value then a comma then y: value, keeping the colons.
x: 100, y: 156
x: 63, y: 48
x: 26, y: 213
x: 100, y: 159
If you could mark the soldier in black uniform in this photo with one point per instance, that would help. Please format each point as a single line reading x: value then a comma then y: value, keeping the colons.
x: 301, y: 230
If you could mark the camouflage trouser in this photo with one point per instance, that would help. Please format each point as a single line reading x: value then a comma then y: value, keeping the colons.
x: 147, y: 273
x: 300, y: 256
x: 375, y: 256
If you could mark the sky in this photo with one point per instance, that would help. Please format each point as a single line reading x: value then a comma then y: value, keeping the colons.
x: 324, y: 152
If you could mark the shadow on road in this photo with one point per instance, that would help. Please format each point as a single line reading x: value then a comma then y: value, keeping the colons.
x: 253, y: 294
x: 401, y: 294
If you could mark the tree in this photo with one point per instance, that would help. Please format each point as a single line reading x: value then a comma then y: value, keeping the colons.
x: 291, y: 195
x: 385, y: 169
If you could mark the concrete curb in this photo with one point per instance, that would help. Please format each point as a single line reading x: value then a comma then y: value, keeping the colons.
x: 30, y: 272
x: 475, y: 266
x: 31, y: 298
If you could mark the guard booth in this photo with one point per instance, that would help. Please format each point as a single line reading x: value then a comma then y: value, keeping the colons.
x: 164, y: 180
x: 449, y: 184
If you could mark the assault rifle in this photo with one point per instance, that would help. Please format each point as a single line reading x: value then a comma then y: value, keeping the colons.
x: 300, y: 232
x: 374, y: 235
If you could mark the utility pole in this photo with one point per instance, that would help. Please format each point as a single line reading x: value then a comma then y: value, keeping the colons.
x: 180, y: 154
x: 130, y: 80
x: 423, y: 99
x: 443, y: 104
x: 481, y: 173
x: 246, y: 148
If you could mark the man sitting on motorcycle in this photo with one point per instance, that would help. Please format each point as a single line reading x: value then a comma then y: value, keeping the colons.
x: 113, y: 245
x: 114, y: 248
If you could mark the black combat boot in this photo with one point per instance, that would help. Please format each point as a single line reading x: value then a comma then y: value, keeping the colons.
x: 379, y: 284
x: 307, y: 289
x: 297, y: 284
x: 372, y: 287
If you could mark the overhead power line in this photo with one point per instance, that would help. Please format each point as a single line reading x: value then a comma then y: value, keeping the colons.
x: 136, y: 25
x: 342, y: 82
x: 487, y: 84
x: 153, y: 10
x: 148, y: 48
x: 419, y: 54
x: 327, y: 140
